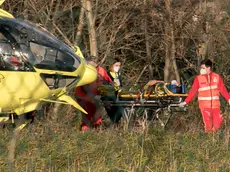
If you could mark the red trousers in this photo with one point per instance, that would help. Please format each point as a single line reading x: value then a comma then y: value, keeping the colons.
x: 93, y: 118
x: 212, y: 119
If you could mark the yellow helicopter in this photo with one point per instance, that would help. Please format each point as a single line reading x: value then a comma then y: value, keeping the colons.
x: 36, y: 67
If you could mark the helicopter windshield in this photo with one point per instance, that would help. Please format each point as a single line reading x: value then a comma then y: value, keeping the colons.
x: 10, y: 58
x: 40, y: 48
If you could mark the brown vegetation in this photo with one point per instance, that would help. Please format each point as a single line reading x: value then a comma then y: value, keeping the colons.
x: 169, y: 36
x: 165, y: 39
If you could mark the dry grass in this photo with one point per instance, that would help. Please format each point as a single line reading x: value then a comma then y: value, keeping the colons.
x: 58, y: 145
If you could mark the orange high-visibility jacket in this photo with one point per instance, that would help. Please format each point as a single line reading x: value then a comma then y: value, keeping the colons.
x: 87, y: 92
x: 208, y: 92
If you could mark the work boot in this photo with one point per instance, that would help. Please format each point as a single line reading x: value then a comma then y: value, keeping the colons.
x: 97, y: 123
x: 84, y: 128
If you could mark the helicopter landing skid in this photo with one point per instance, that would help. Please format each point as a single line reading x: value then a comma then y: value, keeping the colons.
x: 18, y: 122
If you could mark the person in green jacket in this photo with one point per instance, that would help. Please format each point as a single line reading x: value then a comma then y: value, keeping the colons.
x: 114, y: 72
x: 115, y: 112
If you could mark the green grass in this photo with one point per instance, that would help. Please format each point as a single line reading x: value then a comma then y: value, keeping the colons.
x: 58, y: 145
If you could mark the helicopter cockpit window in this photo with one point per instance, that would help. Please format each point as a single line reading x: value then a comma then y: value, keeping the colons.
x: 10, y: 58
x: 51, y: 58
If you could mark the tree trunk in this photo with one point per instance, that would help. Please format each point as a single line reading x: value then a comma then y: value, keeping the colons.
x: 147, y: 44
x: 177, y: 75
x: 25, y: 12
x: 78, y: 38
x: 91, y: 27
x: 170, y: 70
x: 206, y: 47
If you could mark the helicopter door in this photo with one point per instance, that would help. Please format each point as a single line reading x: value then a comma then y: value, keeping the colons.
x: 15, y: 80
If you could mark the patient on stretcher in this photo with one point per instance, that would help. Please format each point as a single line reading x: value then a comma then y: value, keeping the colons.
x: 158, y: 86
x: 174, y: 87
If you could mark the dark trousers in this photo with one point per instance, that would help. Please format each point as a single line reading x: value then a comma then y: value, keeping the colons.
x: 114, y: 112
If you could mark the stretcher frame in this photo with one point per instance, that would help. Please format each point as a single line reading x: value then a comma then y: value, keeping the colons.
x: 154, y: 103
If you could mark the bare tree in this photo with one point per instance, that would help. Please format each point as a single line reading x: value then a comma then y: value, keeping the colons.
x: 91, y: 27
x: 170, y: 69
x: 171, y: 37
x: 148, y: 48
x: 78, y: 38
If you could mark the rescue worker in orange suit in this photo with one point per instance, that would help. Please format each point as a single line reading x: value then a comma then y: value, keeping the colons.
x: 88, y: 97
x: 209, y: 85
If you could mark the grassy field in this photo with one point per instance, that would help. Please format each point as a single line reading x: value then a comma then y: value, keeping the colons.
x: 57, y: 145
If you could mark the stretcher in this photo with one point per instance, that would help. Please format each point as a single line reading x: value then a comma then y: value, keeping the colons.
x: 150, y: 102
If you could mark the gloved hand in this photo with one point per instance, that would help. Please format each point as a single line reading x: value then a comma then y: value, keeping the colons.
x: 182, y: 104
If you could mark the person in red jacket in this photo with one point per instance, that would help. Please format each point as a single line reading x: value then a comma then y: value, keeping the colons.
x: 208, y: 85
x: 88, y: 97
